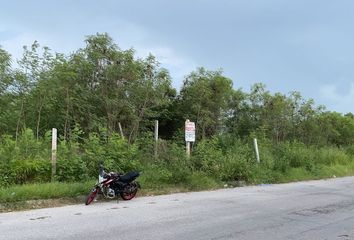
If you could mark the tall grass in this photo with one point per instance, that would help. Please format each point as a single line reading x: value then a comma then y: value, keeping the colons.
x: 25, y: 167
x: 44, y: 191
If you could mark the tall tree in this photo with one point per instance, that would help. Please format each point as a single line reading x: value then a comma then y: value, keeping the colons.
x: 5, y: 82
x: 5, y: 69
x: 204, y: 99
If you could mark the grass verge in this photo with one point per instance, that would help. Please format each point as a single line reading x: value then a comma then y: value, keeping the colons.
x: 40, y: 195
x: 320, y: 172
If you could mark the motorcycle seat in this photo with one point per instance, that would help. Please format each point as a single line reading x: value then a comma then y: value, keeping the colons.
x: 129, y: 177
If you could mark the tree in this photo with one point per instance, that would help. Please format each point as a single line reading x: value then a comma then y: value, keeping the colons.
x: 5, y: 82
x: 5, y: 70
x: 105, y: 86
x: 204, y: 98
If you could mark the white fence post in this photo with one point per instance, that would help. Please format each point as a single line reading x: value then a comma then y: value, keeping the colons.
x: 54, y: 152
x: 256, y: 149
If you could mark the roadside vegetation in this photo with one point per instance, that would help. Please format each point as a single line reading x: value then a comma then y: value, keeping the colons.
x: 104, y: 101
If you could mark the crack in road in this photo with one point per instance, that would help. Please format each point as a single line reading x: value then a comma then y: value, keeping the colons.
x: 40, y: 218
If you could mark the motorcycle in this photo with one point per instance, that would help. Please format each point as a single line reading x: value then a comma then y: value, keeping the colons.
x: 112, y: 184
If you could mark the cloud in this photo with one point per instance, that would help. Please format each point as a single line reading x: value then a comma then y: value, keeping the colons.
x: 145, y: 41
x: 14, y: 44
x: 335, y: 100
x: 125, y: 35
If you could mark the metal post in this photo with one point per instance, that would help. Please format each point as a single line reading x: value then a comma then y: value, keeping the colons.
x: 54, y: 152
x: 256, y: 149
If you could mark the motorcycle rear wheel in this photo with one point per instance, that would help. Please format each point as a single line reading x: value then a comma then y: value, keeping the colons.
x: 128, y: 196
x: 129, y: 191
x: 91, y: 196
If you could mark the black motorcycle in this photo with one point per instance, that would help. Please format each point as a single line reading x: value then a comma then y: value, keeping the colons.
x: 112, y: 184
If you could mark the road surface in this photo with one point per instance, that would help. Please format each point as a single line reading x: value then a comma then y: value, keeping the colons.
x: 305, y: 210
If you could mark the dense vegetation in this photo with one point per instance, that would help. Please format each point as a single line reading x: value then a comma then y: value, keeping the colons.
x: 89, y: 94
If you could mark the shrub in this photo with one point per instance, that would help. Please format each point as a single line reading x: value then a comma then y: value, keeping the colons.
x: 114, y: 152
x: 293, y: 155
x: 94, y: 153
x: 175, y: 160
x: 30, y: 147
x: 207, y: 157
x: 145, y: 148
x: 153, y: 175
x: 332, y: 155
x: 29, y: 171
x: 263, y: 174
x: 70, y: 165
x: 237, y: 163
x: 201, y: 181
x: 119, y: 156
x: 24, y: 161
x: 235, y: 168
x: 350, y: 150
x: 8, y: 149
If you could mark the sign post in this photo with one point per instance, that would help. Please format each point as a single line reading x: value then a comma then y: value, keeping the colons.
x: 189, y: 135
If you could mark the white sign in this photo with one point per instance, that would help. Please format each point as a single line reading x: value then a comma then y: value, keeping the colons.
x: 190, y: 131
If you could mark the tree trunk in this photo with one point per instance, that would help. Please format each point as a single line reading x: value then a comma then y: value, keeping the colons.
x: 39, y: 118
x: 121, y: 130
x: 134, y: 131
x: 19, y: 120
x: 66, y: 115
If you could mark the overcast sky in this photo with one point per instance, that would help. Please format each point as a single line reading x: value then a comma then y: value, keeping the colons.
x: 302, y: 45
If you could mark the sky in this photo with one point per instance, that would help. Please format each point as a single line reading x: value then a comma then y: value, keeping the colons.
x: 293, y: 45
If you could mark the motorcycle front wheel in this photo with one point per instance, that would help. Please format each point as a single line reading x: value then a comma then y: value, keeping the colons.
x: 91, y: 196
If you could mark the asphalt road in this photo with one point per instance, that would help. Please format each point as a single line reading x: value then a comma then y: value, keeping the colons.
x: 306, y: 210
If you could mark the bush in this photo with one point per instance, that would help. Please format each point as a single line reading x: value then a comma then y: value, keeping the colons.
x: 30, y: 147
x: 94, y: 153
x: 119, y: 156
x: 293, y: 155
x: 350, y: 151
x: 24, y: 161
x: 223, y: 158
x: 331, y: 155
x: 29, y: 171
x: 235, y: 168
x: 145, y: 148
x: 201, y: 181
x: 8, y: 149
x: 70, y: 165
x: 171, y: 166
x: 153, y: 175
x: 207, y: 157
x: 263, y: 174
x: 238, y: 162
x: 175, y: 160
